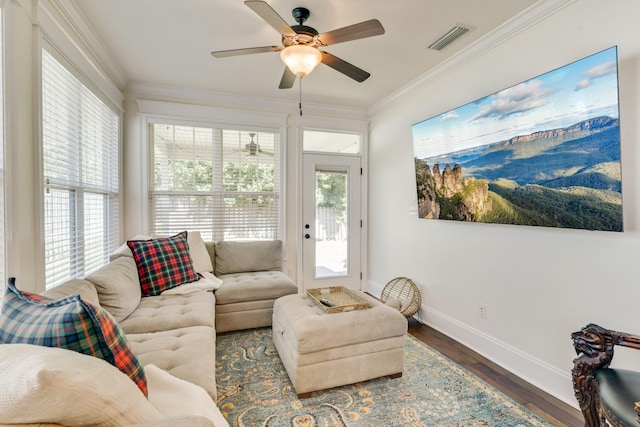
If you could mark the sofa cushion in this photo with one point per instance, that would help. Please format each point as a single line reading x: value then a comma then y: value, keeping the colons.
x: 164, y: 312
x: 52, y: 385
x: 162, y: 263
x: 242, y: 256
x: 254, y: 286
x: 186, y: 353
x: 84, y: 288
x: 118, y: 287
x: 199, y: 254
x: 69, y: 323
x: 211, y: 250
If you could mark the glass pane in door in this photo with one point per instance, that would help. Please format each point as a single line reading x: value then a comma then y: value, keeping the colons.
x: 332, y: 231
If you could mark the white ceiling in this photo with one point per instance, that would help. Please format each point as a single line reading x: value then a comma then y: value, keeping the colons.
x: 168, y: 43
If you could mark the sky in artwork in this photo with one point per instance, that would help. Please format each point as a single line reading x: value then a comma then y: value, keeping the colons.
x: 560, y: 98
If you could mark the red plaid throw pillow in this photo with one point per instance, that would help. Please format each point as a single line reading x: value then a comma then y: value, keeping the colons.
x: 163, y: 263
x: 69, y: 323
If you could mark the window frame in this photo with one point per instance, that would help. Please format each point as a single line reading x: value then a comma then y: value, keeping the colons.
x: 216, y: 193
x: 112, y: 206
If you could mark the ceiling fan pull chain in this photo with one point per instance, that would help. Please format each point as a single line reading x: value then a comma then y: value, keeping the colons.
x: 300, y: 98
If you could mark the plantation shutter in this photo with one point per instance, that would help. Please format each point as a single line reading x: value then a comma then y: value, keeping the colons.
x: 80, y: 153
x: 223, y: 182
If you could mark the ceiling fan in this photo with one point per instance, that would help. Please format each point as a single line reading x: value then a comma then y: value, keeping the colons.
x: 300, y: 44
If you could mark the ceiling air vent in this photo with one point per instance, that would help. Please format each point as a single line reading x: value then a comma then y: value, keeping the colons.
x: 449, y: 37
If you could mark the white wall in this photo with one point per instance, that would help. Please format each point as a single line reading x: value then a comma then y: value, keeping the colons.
x: 538, y: 284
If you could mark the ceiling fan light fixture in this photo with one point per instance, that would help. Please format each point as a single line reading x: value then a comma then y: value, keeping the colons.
x: 301, y: 59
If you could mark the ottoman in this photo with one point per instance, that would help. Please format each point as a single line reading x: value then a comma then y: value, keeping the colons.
x: 321, y: 350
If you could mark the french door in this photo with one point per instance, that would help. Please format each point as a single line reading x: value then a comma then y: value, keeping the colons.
x: 332, y: 225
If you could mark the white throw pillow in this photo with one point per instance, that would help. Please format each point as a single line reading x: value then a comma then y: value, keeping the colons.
x: 199, y: 254
x: 174, y: 397
x: 53, y: 385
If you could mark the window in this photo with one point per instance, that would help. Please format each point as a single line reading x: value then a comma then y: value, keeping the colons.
x: 223, y: 182
x: 80, y: 152
x: 331, y: 142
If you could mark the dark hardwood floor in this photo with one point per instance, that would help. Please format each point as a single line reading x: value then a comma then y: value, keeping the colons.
x: 544, y: 405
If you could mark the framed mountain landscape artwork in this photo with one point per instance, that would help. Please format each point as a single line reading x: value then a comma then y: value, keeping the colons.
x: 545, y: 152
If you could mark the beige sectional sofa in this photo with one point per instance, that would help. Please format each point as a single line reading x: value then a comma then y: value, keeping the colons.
x: 177, y: 333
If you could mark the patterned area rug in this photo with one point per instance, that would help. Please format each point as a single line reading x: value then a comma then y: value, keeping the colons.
x: 254, y: 390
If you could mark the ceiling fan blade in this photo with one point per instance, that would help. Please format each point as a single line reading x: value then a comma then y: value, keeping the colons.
x: 245, y: 51
x: 271, y: 16
x: 344, y: 67
x: 288, y: 79
x: 364, y: 29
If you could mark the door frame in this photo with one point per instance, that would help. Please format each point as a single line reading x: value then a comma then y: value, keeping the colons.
x: 360, y: 127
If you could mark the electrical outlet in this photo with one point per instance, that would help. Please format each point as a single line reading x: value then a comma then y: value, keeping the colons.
x: 483, y: 311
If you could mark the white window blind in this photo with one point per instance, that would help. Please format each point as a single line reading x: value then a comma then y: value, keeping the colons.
x: 80, y: 154
x: 223, y: 182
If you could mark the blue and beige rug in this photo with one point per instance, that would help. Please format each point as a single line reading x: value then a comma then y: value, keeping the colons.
x: 254, y: 390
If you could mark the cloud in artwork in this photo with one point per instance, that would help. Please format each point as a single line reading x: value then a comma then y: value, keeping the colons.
x: 523, y: 97
x: 450, y: 115
x: 583, y: 84
x: 595, y: 72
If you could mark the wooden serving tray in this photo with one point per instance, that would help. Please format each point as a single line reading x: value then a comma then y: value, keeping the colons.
x: 339, y: 299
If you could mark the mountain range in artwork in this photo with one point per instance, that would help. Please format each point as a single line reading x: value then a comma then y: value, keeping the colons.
x: 566, y: 177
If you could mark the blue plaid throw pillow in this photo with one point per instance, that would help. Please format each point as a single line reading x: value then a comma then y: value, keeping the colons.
x: 69, y: 323
x: 163, y: 263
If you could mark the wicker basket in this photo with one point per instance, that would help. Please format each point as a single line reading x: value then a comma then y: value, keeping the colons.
x: 404, y: 290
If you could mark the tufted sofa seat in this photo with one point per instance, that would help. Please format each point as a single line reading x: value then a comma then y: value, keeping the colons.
x: 165, y: 312
x: 185, y: 353
x: 252, y: 280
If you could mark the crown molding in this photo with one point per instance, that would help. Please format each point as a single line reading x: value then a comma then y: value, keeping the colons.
x: 72, y: 19
x: 245, y: 102
x: 223, y: 115
x: 529, y: 17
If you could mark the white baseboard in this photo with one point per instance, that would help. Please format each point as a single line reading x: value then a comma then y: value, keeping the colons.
x: 542, y: 375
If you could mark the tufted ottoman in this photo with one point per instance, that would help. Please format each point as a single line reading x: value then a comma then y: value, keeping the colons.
x: 321, y: 350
